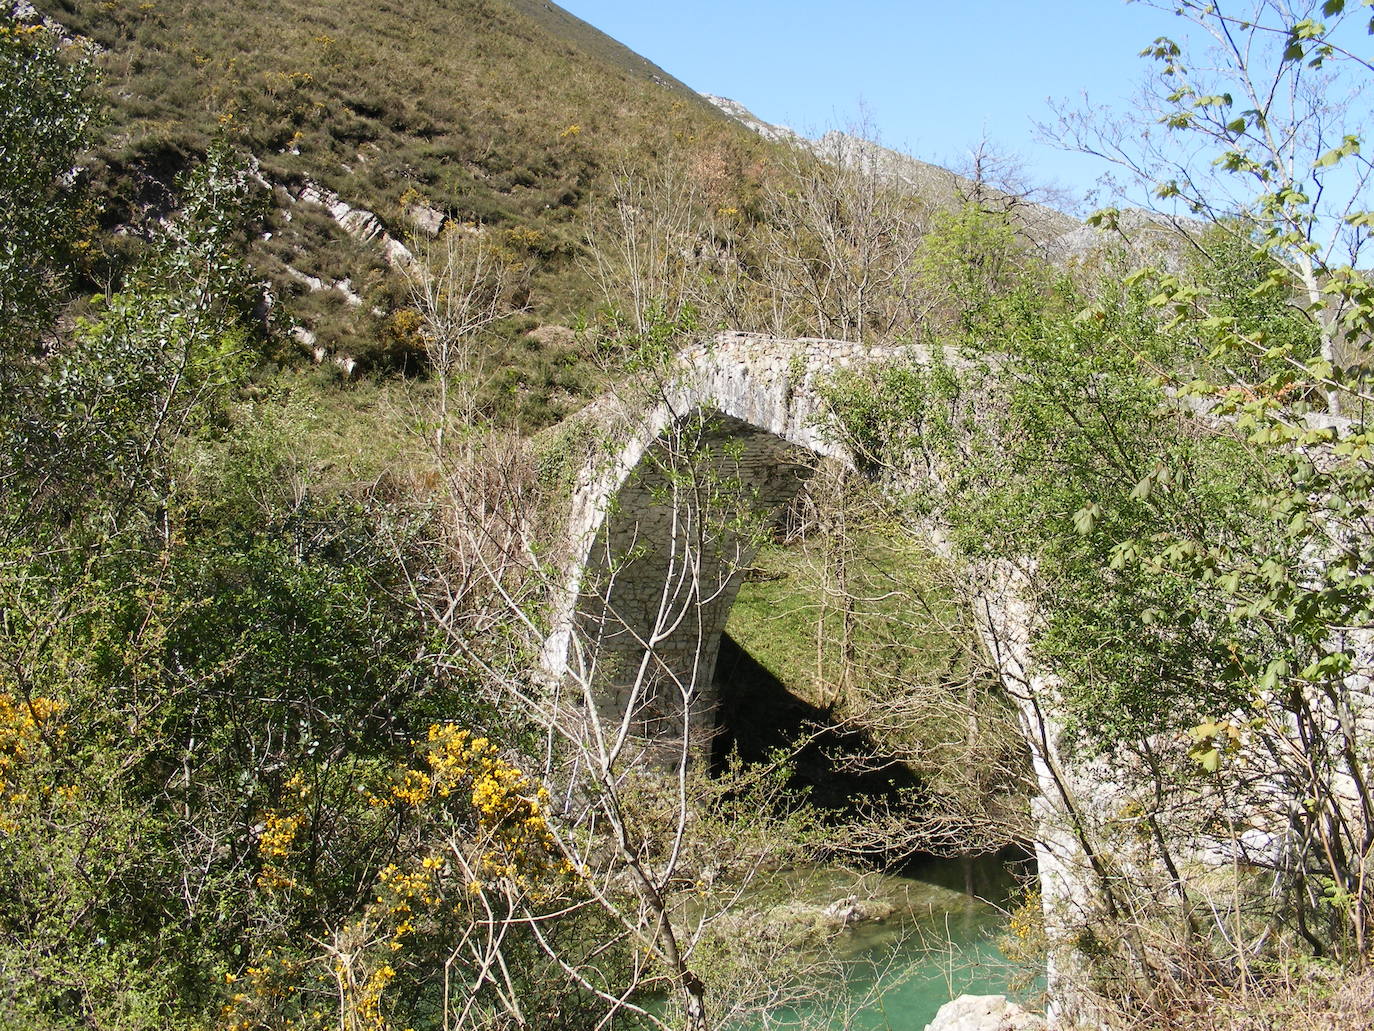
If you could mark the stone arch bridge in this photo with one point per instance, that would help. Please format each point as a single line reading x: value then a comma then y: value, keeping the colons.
x: 686, y: 477
x: 664, y: 520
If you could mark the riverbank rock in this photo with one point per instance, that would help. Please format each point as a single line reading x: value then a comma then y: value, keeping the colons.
x: 854, y: 910
x: 829, y: 918
x: 802, y: 922
x: 984, y: 1013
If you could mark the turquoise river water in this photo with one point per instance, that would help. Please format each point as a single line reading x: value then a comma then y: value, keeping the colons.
x: 939, y: 943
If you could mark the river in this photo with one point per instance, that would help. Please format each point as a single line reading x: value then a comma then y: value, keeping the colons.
x: 939, y: 942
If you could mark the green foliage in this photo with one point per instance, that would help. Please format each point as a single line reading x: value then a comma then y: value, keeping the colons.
x: 198, y: 629
x: 1083, y: 450
x: 969, y: 262
x: 1177, y: 463
x: 918, y: 399
x: 46, y: 115
x: 96, y: 419
x: 201, y: 666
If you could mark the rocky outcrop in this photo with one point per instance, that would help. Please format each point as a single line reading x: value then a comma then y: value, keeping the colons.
x: 853, y: 910
x: 984, y: 1013
x: 938, y: 185
x: 802, y: 922
x: 343, y: 287
x: 427, y: 220
x: 747, y: 118
x: 1150, y: 239
x: 25, y: 13
x: 358, y: 223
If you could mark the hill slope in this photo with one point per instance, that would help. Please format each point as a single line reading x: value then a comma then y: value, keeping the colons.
x: 375, y: 122
x: 938, y: 186
x: 499, y: 113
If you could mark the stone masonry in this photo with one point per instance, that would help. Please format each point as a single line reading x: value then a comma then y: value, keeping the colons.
x: 667, y: 516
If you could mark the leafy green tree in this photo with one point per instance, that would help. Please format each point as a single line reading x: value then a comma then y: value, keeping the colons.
x: 1286, y: 364
x: 46, y: 115
x: 88, y: 429
x: 1179, y: 464
x: 1263, y: 115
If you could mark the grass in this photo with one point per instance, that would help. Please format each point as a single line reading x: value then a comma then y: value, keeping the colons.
x: 503, y: 113
x: 904, y: 623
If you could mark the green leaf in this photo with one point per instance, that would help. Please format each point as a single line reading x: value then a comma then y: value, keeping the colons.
x: 1106, y: 218
x: 1205, y: 754
x: 1085, y: 520
x: 1350, y: 145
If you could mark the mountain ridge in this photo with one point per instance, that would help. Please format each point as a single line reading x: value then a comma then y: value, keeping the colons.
x: 940, y: 185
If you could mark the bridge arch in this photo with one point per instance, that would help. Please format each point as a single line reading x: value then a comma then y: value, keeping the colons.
x: 666, y: 520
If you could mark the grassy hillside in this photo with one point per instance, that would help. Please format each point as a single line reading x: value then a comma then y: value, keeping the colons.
x: 467, y: 101
x: 479, y: 110
x: 591, y: 40
x: 508, y: 115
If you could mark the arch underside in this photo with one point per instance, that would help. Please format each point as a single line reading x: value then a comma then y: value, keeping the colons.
x: 666, y: 565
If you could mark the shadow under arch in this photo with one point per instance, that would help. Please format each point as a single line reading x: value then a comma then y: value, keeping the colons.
x: 666, y: 565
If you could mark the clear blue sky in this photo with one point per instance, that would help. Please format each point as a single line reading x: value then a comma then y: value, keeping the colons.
x: 931, y: 77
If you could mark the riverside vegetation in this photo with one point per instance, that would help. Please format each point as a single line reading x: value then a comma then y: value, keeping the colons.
x: 274, y: 749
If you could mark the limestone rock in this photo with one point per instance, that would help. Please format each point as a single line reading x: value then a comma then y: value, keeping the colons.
x: 25, y: 13
x: 854, y: 910
x: 397, y: 255
x: 359, y: 223
x: 425, y: 219
x: 1151, y: 239
x: 770, y: 132
x: 984, y: 1013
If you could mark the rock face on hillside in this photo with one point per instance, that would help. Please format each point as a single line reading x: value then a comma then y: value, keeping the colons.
x: 1151, y: 239
x: 740, y: 113
x: 940, y: 186
x: 984, y: 1013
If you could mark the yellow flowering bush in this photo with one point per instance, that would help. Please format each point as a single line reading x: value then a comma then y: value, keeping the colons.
x: 1025, y: 943
x: 468, y: 824
x: 23, y: 726
x: 266, y: 986
x: 525, y: 238
x: 509, y: 811
x: 277, y: 835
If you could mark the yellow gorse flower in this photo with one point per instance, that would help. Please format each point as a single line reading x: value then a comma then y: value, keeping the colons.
x: 23, y: 727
